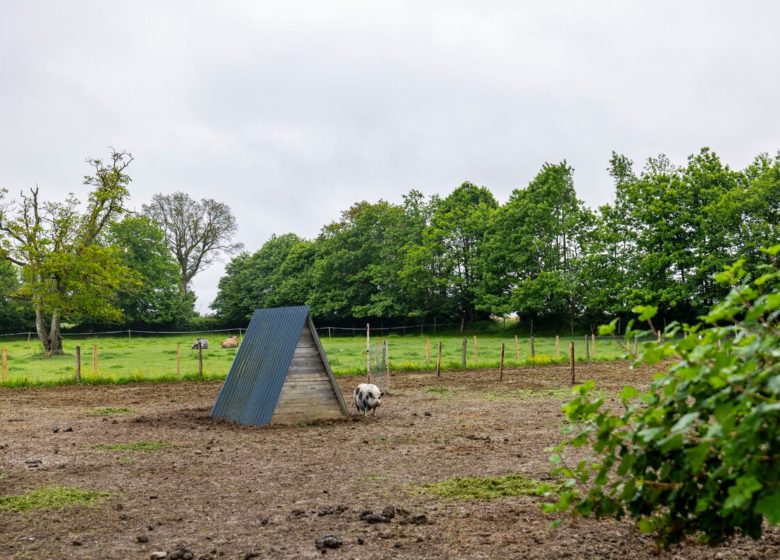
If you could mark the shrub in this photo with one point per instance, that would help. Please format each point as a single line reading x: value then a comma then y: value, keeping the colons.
x: 699, y: 452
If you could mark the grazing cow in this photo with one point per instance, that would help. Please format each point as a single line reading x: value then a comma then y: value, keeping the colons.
x: 368, y: 397
x: 203, y: 342
x: 231, y: 342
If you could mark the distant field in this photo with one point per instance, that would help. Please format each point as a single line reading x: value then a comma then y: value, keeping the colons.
x: 123, y: 360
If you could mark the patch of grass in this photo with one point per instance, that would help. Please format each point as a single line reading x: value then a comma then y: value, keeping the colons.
x: 51, y: 497
x: 134, y: 446
x: 438, y: 390
x: 505, y: 394
x: 490, y: 487
x: 110, y: 411
x: 373, y: 477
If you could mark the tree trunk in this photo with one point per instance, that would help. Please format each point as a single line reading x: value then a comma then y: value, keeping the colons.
x: 55, y: 338
x: 50, y: 336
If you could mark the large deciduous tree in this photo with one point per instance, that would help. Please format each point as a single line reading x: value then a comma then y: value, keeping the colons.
x: 197, y: 232
x: 66, y: 267
x: 157, y: 300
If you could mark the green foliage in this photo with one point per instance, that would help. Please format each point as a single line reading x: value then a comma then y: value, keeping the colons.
x: 491, y: 487
x: 134, y: 446
x: 698, y: 453
x: 156, y: 299
x: 51, y: 497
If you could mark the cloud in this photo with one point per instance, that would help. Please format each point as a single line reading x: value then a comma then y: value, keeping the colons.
x: 290, y: 112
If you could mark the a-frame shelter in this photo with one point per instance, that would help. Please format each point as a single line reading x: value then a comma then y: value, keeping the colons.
x: 280, y: 374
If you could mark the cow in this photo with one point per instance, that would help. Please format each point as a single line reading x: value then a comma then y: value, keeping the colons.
x: 203, y: 343
x: 368, y: 397
x: 231, y: 342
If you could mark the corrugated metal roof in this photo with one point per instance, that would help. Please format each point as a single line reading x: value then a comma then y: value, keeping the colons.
x: 255, y: 379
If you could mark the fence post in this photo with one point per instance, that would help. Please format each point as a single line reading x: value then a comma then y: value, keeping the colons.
x: 438, y: 362
x: 501, y: 364
x: 476, y: 352
x: 200, y: 359
x: 368, y: 352
x: 5, y: 365
x: 387, y: 361
x: 571, y: 359
x: 178, y: 359
x: 587, y: 349
x: 517, y: 350
x: 94, y: 359
x: 593, y: 342
x: 558, y: 345
x: 330, y: 335
x: 28, y: 336
x: 533, y: 348
x: 463, y: 350
x: 427, y: 352
x: 128, y: 334
x: 78, y: 364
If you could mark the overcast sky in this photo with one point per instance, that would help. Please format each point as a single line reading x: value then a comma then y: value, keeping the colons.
x: 291, y: 111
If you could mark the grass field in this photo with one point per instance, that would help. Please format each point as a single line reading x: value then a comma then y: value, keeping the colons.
x: 123, y: 360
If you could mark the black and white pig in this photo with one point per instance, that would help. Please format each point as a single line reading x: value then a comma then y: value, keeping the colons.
x: 368, y: 397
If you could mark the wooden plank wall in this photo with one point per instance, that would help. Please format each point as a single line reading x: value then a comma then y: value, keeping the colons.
x: 307, y: 393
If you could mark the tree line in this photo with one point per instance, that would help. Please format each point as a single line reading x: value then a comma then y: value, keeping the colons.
x: 543, y: 254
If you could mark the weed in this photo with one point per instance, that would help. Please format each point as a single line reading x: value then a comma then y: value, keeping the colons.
x: 51, y: 497
x: 490, y: 487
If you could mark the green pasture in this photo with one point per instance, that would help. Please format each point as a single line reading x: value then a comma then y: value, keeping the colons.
x: 146, y: 358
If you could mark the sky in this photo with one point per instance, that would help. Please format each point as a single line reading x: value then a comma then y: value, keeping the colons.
x: 290, y: 112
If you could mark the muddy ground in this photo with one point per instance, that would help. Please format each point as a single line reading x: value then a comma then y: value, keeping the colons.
x: 227, y: 491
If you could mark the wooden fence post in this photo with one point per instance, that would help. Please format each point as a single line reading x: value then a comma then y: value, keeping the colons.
x: 200, y: 359
x: 587, y: 349
x: 571, y: 359
x: 128, y: 334
x: 533, y: 348
x: 28, y: 336
x: 5, y: 365
x: 427, y: 352
x: 78, y: 364
x: 387, y: 360
x: 476, y: 352
x: 368, y: 351
x: 463, y: 351
x: 94, y: 359
x: 501, y: 364
x: 178, y: 359
x: 438, y: 362
x: 558, y: 345
x: 517, y: 350
x: 593, y: 342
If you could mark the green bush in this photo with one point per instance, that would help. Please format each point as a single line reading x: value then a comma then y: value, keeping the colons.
x: 698, y: 454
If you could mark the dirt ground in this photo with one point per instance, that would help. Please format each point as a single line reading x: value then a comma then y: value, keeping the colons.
x: 228, y: 491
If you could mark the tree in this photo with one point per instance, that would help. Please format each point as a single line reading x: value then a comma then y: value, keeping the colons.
x: 15, y: 312
x: 258, y: 280
x: 450, y: 258
x: 534, y: 246
x: 67, y: 270
x: 197, y: 232
x: 357, y: 263
x: 697, y: 454
x: 156, y: 300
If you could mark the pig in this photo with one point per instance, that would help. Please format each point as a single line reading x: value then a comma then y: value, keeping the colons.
x: 231, y: 342
x: 368, y: 397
